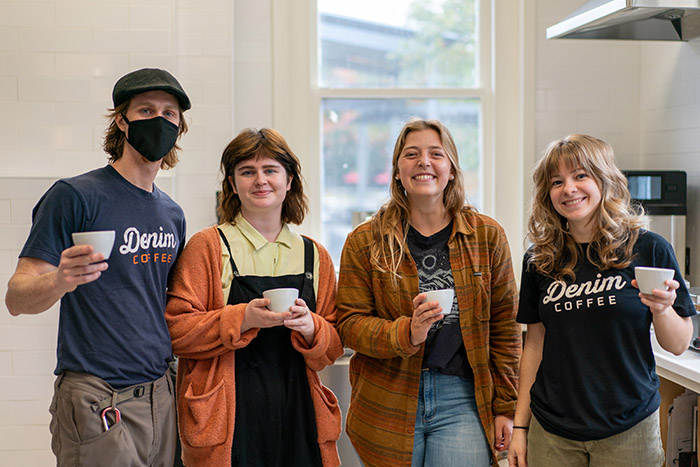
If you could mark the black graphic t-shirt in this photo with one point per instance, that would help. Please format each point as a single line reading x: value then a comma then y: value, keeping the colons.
x: 597, y: 377
x: 444, y: 348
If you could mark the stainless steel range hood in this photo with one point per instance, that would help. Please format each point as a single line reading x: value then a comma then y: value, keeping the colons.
x: 661, y: 20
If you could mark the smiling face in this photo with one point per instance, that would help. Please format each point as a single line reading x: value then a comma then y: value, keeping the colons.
x: 423, y: 167
x: 576, y: 196
x: 261, y: 184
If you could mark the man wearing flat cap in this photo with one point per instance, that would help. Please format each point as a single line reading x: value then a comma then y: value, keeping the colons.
x: 113, y: 398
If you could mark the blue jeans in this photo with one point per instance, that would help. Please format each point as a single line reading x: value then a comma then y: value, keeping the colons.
x: 448, y: 431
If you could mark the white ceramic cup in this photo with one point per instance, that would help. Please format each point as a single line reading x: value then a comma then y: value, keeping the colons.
x: 652, y: 278
x: 102, y: 241
x: 444, y: 296
x: 281, y: 299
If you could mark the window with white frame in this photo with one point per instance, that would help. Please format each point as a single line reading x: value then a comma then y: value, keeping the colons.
x: 357, y: 71
x: 373, y: 59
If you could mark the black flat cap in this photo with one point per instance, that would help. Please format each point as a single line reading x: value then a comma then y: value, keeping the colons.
x: 148, y: 79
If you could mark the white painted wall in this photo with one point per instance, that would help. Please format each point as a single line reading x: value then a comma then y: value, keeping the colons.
x: 586, y: 86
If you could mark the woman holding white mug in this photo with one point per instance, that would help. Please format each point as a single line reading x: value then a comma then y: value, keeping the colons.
x: 429, y: 389
x: 247, y: 389
x: 588, y: 387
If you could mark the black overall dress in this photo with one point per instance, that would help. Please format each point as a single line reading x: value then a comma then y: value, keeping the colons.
x: 275, y: 420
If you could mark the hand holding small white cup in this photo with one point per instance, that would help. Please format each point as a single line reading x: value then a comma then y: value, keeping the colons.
x: 649, y: 278
x: 425, y: 313
x: 78, y: 264
x: 444, y: 296
x: 301, y: 320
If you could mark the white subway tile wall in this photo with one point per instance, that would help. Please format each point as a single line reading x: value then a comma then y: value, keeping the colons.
x: 58, y: 63
x: 585, y: 86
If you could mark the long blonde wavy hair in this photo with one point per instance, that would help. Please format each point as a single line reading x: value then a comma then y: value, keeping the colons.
x: 389, y: 226
x: 555, y: 253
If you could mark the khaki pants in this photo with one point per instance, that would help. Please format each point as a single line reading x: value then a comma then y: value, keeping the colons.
x: 144, y: 437
x: 638, y: 446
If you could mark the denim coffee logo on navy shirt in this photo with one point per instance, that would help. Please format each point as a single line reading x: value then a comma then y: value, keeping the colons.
x: 138, y: 244
x: 578, y: 296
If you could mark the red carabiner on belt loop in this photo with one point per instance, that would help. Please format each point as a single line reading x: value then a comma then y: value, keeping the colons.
x: 117, y: 417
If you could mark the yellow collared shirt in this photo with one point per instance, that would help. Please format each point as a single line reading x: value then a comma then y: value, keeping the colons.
x: 255, y: 256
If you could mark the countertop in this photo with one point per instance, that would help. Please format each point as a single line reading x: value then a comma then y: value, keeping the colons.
x: 683, y: 369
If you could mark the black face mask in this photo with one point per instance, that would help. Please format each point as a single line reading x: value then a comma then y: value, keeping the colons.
x: 152, y: 138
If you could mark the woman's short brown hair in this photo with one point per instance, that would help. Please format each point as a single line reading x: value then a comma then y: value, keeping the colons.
x: 265, y: 142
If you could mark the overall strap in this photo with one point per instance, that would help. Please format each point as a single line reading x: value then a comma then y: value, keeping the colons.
x: 308, y: 259
x: 307, y: 289
x: 230, y: 256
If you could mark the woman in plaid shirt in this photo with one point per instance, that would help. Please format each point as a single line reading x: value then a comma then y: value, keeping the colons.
x: 429, y: 388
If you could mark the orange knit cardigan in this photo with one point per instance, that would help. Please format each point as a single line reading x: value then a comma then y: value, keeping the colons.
x: 206, y: 333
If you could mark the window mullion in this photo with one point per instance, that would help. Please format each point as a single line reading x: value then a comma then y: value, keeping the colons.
x: 408, y: 93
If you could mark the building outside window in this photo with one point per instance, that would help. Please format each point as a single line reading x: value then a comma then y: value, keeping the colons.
x: 348, y: 75
x: 373, y: 57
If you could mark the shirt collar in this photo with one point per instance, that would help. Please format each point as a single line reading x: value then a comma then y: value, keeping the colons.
x: 256, y: 239
x: 461, y: 224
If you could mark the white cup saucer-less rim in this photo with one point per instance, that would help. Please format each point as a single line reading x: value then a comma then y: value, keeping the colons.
x: 101, y: 240
x: 444, y: 296
x: 281, y: 299
x: 649, y: 278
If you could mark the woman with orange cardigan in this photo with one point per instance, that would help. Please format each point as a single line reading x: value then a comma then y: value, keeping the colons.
x: 247, y: 389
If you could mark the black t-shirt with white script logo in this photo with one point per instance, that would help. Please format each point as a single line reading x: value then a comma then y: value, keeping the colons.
x: 597, y: 377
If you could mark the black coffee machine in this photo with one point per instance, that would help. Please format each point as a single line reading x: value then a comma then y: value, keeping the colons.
x: 663, y: 195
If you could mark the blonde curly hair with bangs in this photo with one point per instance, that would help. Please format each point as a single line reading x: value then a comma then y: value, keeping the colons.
x: 389, y: 225
x: 554, y: 252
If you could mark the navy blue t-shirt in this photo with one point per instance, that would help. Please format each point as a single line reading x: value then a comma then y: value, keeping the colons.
x: 113, y: 327
x: 597, y: 377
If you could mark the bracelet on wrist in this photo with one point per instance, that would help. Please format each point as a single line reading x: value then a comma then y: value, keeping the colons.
x: 521, y: 427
